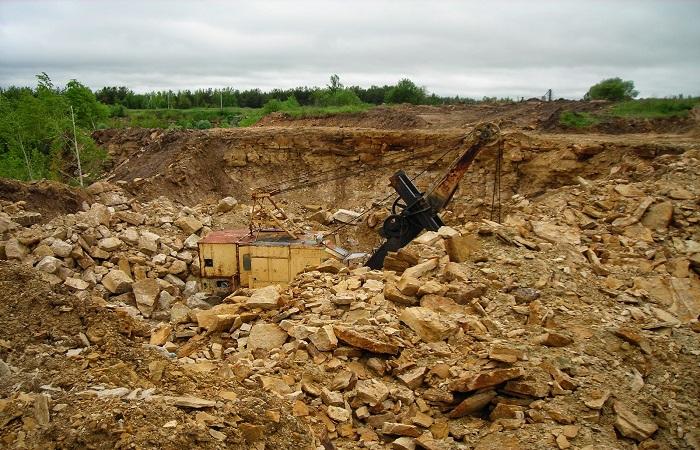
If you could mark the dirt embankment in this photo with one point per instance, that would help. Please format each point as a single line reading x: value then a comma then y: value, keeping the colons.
x: 194, y: 166
x: 49, y: 198
x: 525, y: 115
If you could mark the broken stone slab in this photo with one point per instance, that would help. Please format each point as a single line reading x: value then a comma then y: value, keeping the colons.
x: 117, y: 282
x: 408, y: 285
x: 472, y: 404
x: 632, y: 425
x: 636, y: 215
x: 185, y: 401
x: 658, y: 216
x: 189, y: 224
x: 338, y: 414
x: 161, y: 334
x: 553, y: 339
x: 346, y: 216
x: 367, y: 338
x: 265, y: 298
x: 427, y: 324
x: 421, y: 269
x: 414, y: 377
x: 556, y: 234
x: 49, y: 264
x: 266, y: 336
x: 76, y: 283
x: 146, y: 292
x: 324, y: 339
x: 403, y: 443
x: 462, y: 248
x: 486, y: 379
x: 371, y: 391
x: 401, y: 429
x: 393, y: 294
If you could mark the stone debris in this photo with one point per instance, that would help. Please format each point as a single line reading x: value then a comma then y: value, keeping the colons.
x: 572, y: 324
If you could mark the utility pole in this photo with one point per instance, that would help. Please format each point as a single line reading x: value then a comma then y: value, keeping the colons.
x: 168, y: 99
x: 77, y: 152
x: 221, y: 99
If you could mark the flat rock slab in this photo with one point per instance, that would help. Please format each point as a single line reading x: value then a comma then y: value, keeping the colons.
x: 486, y: 379
x: 367, y: 338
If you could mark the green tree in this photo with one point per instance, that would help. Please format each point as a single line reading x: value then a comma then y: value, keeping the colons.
x: 613, y: 89
x: 406, y: 91
x: 88, y: 111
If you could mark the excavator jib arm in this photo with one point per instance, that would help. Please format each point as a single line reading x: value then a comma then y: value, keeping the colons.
x: 420, y: 210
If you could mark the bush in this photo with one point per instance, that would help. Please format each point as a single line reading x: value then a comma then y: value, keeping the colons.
x: 202, y: 124
x: 613, y: 89
x: 117, y: 111
x: 406, y: 91
x: 577, y: 120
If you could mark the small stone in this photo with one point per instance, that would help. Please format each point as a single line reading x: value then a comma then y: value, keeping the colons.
x: 552, y: 339
x: 76, y: 283
x: 338, y: 414
x: 367, y: 338
x: 486, y: 379
x: 400, y: 429
x: 161, y: 334
x: 472, y: 404
x: 371, y: 391
x: 413, y: 378
x: 403, y: 443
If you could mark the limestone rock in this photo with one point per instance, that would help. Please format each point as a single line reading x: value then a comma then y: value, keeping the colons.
x: 631, y: 425
x: 146, y: 292
x: 658, y: 216
x: 367, y: 338
x: 49, y: 264
x: 461, y: 248
x: 76, y: 283
x: 427, y: 324
x: 265, y: 298
x: 266, y: 336
x: 226, y: 204
x: 117, y: 282
x: 556, y: 234
x: 161, y: 334
x: 110, y: 244
x: 486, y: 379
x: 324, y: 339
x: 346, y: 216
x: 472, y: 404
x: 188, y: 224
x: 371, y: 391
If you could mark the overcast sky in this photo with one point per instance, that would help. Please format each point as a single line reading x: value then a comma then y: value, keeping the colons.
x: 485, y: 48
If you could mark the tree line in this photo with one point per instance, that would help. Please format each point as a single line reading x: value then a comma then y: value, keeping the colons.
x: 333, y: 94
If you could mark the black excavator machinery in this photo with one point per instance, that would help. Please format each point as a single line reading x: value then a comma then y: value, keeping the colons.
x: 415, y: 211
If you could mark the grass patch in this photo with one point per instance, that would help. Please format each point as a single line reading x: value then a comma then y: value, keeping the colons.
x: 578, y: 120
x: 230, y: 117
x: 655, y: 107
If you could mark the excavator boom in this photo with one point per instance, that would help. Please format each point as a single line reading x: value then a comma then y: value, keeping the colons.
x: 415, y: 211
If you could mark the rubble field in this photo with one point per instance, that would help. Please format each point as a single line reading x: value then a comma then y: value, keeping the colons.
x: 571, y: 324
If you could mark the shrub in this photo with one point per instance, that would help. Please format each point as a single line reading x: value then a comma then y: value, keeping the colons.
x: 577, y: 120
x: 117, y: 111
x: 202, y: 124
x: 613, y: 89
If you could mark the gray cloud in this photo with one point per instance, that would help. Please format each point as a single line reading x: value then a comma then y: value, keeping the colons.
x: 503, y: 48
